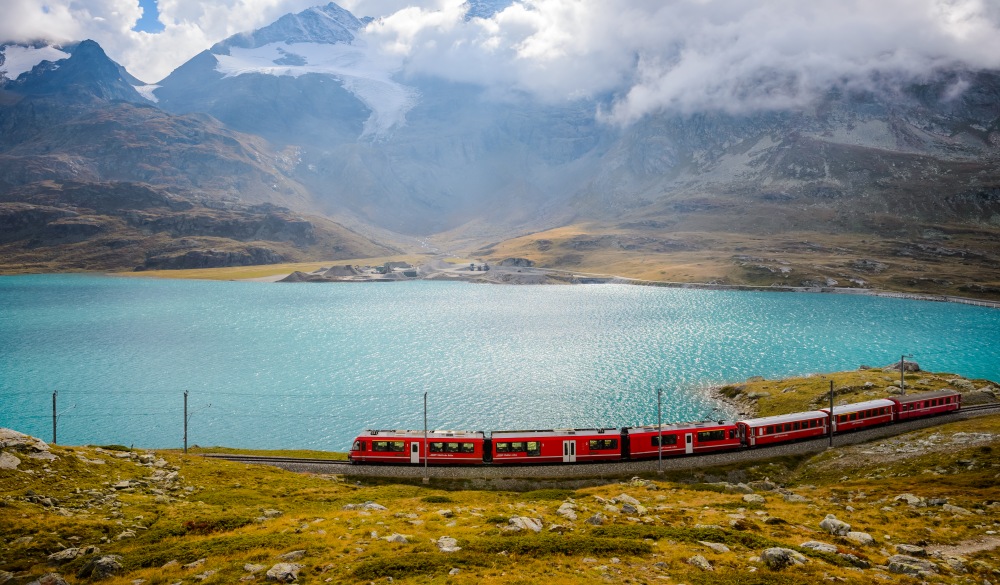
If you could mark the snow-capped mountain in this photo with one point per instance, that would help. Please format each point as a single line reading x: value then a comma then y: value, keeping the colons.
x: 16, y: 59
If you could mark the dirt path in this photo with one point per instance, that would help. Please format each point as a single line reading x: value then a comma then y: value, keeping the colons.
x: 967, y: 547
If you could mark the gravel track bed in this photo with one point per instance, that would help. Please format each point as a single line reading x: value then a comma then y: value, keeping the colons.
x: 626, y: 469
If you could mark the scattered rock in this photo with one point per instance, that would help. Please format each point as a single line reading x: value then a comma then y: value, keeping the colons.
x: 559, y: 528
x: 5, y: 576
x: 567, y: 510
x: 291, y: 557
x: 8, y: 461
x: 625, y: 499
x: 447, y: 544
x: 445, y: 513
x: 862, y: 538
x: 252, y: 568
x: 455, y: 571
x: 778, y: 558
x: 956, y: 510
x: 907, y: 367
x: 523, y: 523
x: 195, y: 564
x: 397, y: 538
x: 855, y: 560
x: 911, y: 550
x: 819, y: 546
x: 834, y: 526
x: 205, y: 575
x: 910, y: 499
x: 907, y: 565
x: 46, y: 579
x: 284, y: 572
x: 795, y: 498
x: 754, y: 499
x: 370, y: 506
x: 715, y: 546
x: 597, y: 519
x: 101, y: 567
x: 63, y: 556
x: 700, y: 562
x: 271, y: 513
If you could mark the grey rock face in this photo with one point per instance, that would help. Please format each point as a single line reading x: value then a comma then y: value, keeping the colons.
x: 9, y: 461
x: 523, y: 523
x: 907, y: 565
x: 447, y: 544
x: 597, y: 519
x: 567, y: 510
x: 46, y: 579
x: 293, y: 556
x: 715, y: 546
x: 862, y: 538
x: 819, y: 546
x: 911, y: 550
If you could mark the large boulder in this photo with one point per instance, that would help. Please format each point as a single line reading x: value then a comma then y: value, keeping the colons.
x: 524, y: 523
x: 862, y: 538
x: 907, y: 565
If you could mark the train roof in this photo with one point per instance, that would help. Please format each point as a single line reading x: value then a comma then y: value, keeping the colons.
x: 508, y: 435
x: 784, y: 418
x: 907, y: 398
x: 859, y: 406
x: 677, y: 426
x: 436, y: 435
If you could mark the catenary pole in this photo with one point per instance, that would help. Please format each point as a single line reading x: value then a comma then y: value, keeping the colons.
x: 427, y: 478
x: 831, y: 413
x: 54, y: 393
x: 185, y: 422
x: 659, y: 431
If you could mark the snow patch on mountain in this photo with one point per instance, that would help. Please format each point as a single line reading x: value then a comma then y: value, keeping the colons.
x: 146, y: 91
x: 18, y: 59
x: 359, y: 70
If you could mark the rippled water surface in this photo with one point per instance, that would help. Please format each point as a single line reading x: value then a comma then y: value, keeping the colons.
x: 309, y: 365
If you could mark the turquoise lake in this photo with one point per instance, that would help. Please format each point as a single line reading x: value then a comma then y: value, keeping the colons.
x: 311, y: 365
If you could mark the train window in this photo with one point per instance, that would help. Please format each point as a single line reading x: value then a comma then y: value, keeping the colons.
x: 854, y: 416
x: 600, y: 444
x: 517, y: 447
x: 380, y: 445
x: 534, y: 449
x: 667, y: 440
x: 795, y: 426
x: 704, y: 436
x: 760, y: 431
x: 843, y: 418
x: 770, y: 430
x: 451, y: 447
x: 397, y: 446
x: 436, y: 447
x: 357, y: 446
x: 468, y: 447
x: 732, y: 433
x: 503, y: 447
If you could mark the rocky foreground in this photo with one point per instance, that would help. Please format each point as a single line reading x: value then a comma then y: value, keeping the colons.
x: 923, y: 507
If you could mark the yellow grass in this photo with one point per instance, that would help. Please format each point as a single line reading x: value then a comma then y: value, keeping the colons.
x: 264, y: 271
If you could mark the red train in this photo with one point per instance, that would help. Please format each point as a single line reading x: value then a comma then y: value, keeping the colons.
x: 644, y: 442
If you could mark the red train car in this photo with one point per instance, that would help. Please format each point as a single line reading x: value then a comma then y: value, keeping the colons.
x: 926, y: 404
x: 402, y: 447
x: 555, y: 446
x: 850, y: 417
x: 784, y: 427
x: 681, y: 439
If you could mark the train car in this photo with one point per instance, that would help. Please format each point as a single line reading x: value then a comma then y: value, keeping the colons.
x: 681, y: 439
x: 926, y: 404
x: 784, y: 428
x: 407, y: 447
x: 860, y: 415
x: 555, y: 446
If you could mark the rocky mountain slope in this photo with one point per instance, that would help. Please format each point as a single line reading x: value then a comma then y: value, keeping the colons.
x: 92, y: 176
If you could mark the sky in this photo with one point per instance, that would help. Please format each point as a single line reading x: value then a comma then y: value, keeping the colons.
x: 638, y: 56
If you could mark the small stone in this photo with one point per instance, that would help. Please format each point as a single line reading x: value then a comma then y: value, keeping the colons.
x: 819, y: 546
x: 205, y: 575
x: 524, y: 523
x: 445, y: 513
x: 455, y: 571
x: 956, y: 510
x: 8, y: 461
x: 911, y: 550
x: 195, y: 564
x: 252, y: 568
x: 46, y: 579
x: 63, y: 556
x: 101, y: 567
x: 862, y: 538
x: 626, y: 499
x: 754, y: 499
x: 397, y: 538
x: 597, y: 519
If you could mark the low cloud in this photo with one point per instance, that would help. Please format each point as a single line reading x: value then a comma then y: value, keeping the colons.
x: 634, y: 57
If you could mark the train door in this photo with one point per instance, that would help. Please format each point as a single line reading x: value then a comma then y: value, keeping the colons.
x: 414, y: 452
x: 688, y: 443
x: 569, y: 451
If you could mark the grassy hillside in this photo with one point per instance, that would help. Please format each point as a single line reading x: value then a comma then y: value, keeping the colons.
x: 936, y: 259
x: 169, y: 518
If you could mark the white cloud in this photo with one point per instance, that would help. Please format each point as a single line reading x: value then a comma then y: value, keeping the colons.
x: 638, y: 56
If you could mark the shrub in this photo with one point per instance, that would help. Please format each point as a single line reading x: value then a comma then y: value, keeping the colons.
x: 436, y: 499
x: 541, y: 545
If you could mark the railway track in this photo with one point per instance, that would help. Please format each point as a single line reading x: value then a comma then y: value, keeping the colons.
x: 602, y: 470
